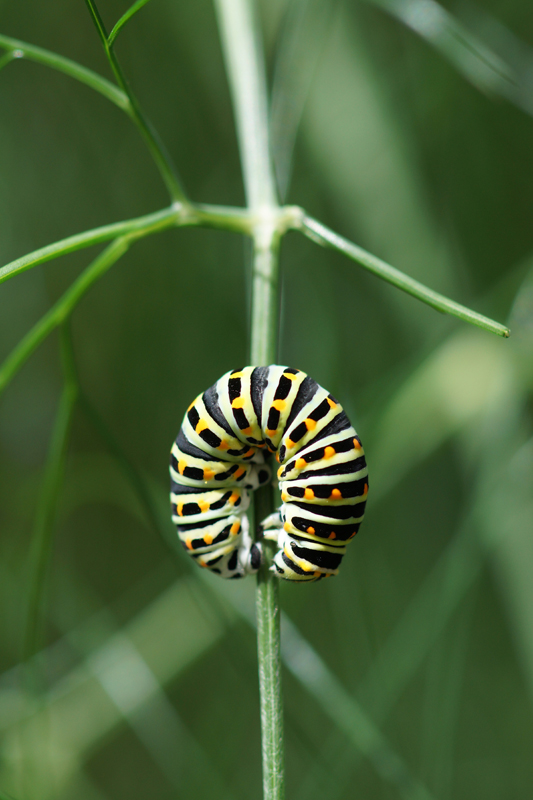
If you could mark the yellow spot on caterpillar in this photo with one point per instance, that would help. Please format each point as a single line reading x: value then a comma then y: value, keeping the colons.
x: 179, y: 509
x: 188, y: 544
x: 234, y: 530
x: 279, y: 405
x: 202, y: 563
x: 208, y: 539
x: 352, y: 535
x: 284, y: 497
x: 317, y: 574
x: 287, y: 527
x: 247, y: 431
x: 201, y: 426
x: 277, y: 457
x: 280, y: 470
x: 271, y: 431
x: 365, y: 489
x: 233, y: 498
x: 310, y: 530
x: 332, y: 403
x: 329, y: 452
x: 300, y: 463
x: 309, y: 494
x: 223, y: 445
x: 239, y: 472
x: 335, y: 494
x: 239, y: 402
x: 236, y: 374
x: 310, y: 424
x: 290, y: 376
x: 289, y: 444
x: 209, y: 474
x: 249, y: 452
x: 332, y: 535
x: 357, y: 444
x: 203, y: 506
x: 181, y: 466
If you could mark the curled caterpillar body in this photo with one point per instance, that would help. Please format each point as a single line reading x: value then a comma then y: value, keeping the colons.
x: 221, y: 453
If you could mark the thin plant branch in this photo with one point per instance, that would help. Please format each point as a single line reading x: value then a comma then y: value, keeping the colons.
x: 60, y: 311
x: 125, y: 18
x: 322, y: 235
x: 155, y: 145
x: 19, y: 49
x: 132, y: 229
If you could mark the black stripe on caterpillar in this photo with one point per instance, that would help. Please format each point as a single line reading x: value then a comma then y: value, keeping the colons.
x: 221, y: 453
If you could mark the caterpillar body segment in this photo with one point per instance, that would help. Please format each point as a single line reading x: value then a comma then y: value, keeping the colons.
x: 220, y: 455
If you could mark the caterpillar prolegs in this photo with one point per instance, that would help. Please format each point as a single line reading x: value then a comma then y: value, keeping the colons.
x: 221, y: 453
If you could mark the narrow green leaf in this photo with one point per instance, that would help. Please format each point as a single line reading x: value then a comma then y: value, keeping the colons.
x: 19, y: 49
x: 125, y: 18
x: 322, y: 235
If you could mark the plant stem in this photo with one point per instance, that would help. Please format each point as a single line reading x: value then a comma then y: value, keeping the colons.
x: 322, y: 235
x: 125, y: 18
x: 128, y: 230
x: 151, y: 137
x: 246, y: 73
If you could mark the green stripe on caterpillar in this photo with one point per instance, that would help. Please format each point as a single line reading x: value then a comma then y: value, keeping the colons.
x: 221, y: 454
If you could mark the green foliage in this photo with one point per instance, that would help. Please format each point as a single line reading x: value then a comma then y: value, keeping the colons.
x: 418, y: 657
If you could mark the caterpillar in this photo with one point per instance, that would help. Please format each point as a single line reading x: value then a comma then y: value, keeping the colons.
x: 221, y: 452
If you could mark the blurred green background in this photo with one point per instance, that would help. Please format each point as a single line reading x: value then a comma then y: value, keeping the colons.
x: 416, y: 142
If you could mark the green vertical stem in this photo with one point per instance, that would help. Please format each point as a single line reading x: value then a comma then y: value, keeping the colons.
x: 264, y: 336
x: 245, y: 66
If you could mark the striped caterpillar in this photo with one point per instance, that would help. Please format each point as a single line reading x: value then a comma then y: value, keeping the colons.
x: 221, y: 452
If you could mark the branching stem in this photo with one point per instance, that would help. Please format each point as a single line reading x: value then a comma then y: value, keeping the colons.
x: 155, y: 145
